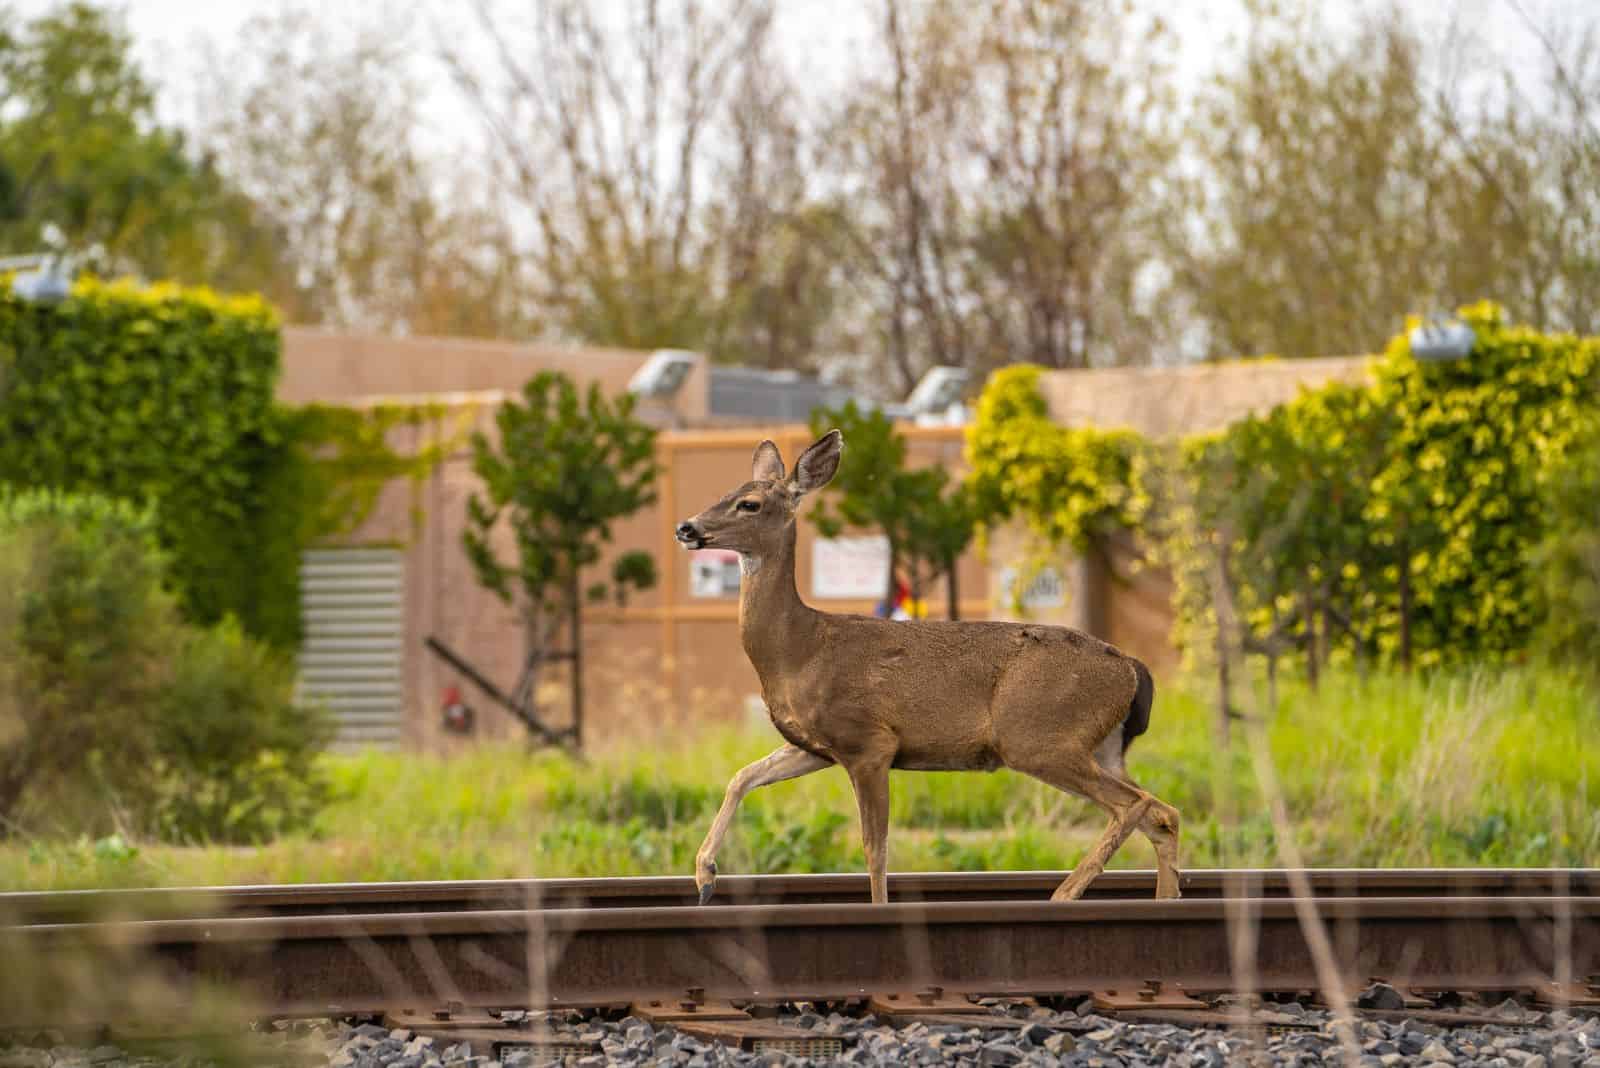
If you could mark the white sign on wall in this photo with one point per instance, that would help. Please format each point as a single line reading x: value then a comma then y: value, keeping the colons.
x: 854, y: 568
x: 1045, y: 591
x: 714, y: 573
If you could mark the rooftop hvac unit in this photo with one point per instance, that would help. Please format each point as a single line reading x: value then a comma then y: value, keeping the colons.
x: 663, y: 374
x: 1438, y: 340
x: 42, y: 278
x: 938, y: 390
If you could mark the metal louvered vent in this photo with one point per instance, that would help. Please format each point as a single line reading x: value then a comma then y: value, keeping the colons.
x: 352, y: 602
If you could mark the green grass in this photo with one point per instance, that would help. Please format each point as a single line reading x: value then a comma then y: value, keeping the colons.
x: 1494, y: 767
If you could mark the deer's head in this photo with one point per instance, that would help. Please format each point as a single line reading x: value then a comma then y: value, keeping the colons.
x: 753, y: 519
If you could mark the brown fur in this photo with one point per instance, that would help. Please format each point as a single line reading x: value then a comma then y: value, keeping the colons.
x: 873, y: 694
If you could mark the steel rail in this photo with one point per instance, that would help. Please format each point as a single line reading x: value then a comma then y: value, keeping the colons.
x: 587, y: 957
x: 502, y: 894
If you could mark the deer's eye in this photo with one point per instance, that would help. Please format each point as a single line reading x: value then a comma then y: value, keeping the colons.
x: 749, y: 506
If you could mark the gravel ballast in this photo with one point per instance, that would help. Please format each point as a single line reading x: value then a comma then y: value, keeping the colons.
x: 1037, y: 1037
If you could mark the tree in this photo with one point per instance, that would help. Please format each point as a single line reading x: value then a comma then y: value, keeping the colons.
x: 927, y: 528
x: 564, y: 467
x: 991, y: 171
x: 85, y: 168
x: 317, y: 120
x: 1347, y: 180
x: 942, y: 526
x: 651, y: 153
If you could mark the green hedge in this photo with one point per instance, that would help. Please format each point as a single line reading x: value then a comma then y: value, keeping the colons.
x: 1399, y: 517
x: 164, y: 396
x: 1067, y: 484
x: 1472, y: 445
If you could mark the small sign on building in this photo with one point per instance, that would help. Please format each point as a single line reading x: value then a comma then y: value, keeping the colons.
x: 714, y: 573
x: 1045, y: 591
x: 850, y: 568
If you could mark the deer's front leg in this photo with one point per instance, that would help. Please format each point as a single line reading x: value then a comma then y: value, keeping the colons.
x: 870, y: 781
x: 788, y: 762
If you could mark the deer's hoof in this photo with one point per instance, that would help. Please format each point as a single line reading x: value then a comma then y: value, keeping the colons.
x: 706, y: 879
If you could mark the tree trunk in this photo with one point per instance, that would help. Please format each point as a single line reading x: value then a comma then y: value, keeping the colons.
x: 575, y: 607
x: 1308, y: 604
x: 1325, y: 622
x: 534, y: 645
x: 952, y: 590
x: 891, y: 589
x: 1224, y: 689
x: 1222, y: 609
x: 1272, y: 662
x: 1405, y: 605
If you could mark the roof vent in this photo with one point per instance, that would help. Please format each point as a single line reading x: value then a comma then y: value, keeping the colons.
x: 663, y: 374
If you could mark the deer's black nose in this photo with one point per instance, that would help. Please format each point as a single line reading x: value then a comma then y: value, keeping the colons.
x: 687, y: 533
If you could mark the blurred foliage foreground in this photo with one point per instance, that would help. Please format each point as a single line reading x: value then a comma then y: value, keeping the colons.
x: 1458, y: 767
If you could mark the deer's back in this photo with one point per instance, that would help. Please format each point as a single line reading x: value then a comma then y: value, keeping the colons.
x: 933, y: 686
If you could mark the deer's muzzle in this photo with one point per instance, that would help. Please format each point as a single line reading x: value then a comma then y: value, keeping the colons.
x: 690, y: 535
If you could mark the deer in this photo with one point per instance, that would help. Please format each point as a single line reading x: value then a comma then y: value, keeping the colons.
x: 874, y: 695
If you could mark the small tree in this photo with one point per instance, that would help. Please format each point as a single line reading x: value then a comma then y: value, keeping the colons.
x: 927, y: 528
x: 565, y: 467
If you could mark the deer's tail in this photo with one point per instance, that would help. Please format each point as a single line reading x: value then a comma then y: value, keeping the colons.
x: 1139, y: 710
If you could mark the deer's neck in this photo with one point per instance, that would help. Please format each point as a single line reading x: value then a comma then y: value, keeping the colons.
x: 776, y: 627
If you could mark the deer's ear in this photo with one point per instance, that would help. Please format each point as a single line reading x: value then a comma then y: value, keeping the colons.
x: 818, y: 463
x: 767, y: 464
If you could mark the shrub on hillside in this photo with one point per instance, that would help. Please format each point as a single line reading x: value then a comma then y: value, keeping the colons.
x: 114, y: 713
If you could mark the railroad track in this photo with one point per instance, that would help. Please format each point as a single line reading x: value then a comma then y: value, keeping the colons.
x: 671, y: 891
x: 944, y: 938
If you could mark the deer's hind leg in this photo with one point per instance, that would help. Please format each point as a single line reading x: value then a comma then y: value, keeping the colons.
x: 1127, y: 804
x: 1159, y: 825
x: 787, y: 762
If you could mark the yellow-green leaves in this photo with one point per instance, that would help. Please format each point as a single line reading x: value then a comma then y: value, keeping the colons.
x: 1067, y: 484
x: 1348, y: 513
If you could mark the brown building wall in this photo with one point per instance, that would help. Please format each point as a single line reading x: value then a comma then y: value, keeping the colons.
x: 668, y: 656
x: 1168, y: 401
x: 664, y: 657
x: 334, y: 367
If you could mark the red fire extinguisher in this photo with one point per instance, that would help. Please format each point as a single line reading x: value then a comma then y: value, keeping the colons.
x: 457, y: 713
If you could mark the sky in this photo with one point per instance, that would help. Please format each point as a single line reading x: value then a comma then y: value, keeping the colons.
x: 820, y: 39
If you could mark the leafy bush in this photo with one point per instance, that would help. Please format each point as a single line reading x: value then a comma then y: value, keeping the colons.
x: 1473, y: 441
x: 1067, y: 484
x: 1392, y: 518
x: 928, y: 522
x: 84, y: 632
x: 237, y: 751
x: 164, y: 396
x: 113, y: 713
x: 157, y: 395
x: 566, y: 465
x: 817, y: 843
x: 1569, y: 557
